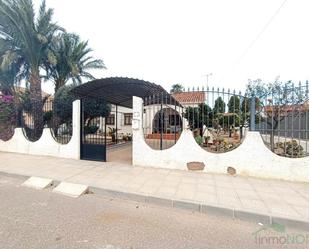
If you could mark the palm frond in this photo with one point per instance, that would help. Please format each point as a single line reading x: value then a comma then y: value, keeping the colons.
x: 73, y: 58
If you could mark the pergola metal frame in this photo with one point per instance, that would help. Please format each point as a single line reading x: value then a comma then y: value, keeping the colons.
x: 117, y: 90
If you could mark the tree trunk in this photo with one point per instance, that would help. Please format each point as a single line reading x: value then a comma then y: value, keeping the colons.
x: 272, y: 135
x: 59, y: 83
x: 272, y: 141
x: 37, y: 104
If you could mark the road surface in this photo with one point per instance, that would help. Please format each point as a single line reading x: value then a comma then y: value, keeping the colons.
x: 44, y: 220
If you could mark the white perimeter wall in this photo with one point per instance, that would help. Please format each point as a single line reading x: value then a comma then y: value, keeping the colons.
x: 46, y: 145
x: 251, y: 158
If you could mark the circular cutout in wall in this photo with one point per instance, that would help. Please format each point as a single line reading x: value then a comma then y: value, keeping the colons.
x: 219, y: 120
x: 162, y: 121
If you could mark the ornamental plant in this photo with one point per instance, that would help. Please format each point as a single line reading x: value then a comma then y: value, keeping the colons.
x: 289, y: 149
x: 7, y: 117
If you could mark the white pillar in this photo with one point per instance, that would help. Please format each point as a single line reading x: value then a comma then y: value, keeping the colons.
x: 137, y: 126
x: 76, y: 123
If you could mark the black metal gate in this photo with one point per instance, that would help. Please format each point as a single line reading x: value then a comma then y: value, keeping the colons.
x: 93, y: 135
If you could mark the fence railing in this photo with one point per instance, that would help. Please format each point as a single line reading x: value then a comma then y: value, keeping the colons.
x: 7, y: 117
x: 109, y: 129
x: 218, y: 118
x: 162, y: 121
x: 34, y: 116
x: 47, y: 114
x: 282, y: 118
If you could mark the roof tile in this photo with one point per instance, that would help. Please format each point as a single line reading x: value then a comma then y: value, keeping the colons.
x: 189, y: 97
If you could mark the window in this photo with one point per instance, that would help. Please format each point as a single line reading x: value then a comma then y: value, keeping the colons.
x: 128, y: 118
x: 110, y: 120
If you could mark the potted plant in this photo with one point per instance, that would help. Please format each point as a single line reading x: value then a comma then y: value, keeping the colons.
x: 207, y: 138
x: 112, y: 133
x: 199, y: 140
x: 125, y: 137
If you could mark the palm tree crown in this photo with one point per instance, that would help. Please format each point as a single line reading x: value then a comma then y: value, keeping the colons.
x: 27, y: 37
x: 72, y: 60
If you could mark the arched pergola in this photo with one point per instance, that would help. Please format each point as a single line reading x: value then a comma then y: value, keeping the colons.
x: 117, y: 90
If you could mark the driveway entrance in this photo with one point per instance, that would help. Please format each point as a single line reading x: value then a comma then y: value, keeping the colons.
x: 120, y: 153
x: 107, y: 138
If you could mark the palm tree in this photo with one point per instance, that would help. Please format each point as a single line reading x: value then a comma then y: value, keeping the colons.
x: 28, y: 37
x: 73, y: 60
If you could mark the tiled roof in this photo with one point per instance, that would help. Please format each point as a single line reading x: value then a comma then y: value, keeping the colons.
x: 287, y: 108
x: 189, y: 97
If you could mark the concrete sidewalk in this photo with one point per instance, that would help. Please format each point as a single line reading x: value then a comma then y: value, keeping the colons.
x: 241, y: 197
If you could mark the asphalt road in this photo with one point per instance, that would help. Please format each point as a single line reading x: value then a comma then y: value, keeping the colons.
x: 41, y: 219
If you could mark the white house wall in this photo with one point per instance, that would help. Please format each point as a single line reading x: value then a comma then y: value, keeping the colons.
x: 251, y: 158
x: 46, y: 145
x: 122, y: 128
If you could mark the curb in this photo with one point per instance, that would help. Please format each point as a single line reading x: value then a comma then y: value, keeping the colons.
x: 246, y: 215
x: 233, y: 213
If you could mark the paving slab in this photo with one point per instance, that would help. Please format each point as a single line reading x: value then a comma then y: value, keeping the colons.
x: 71, y: 189
x: 236, y: 196
x: 38, y: 182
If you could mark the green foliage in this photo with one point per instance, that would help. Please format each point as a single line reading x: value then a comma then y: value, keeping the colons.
x: 25, y: 39
x: 9, y: 71
x: 176, y: 88
x: 70, y: 59
x: 29, y: 107
x: 25, y: 35
x: 25, y: 102
x: 219, y: 106
x: 96, y: 108
x: 233, y: 119
x: 199, y: 140
x: 276, y: 95
x: 7, y: 117
x: 92, y: 107
x: 272, y: 101
x: 234, y: 104
x: 63, y: 104
x: 198, y: 116
x: 236, y: 114
x: 91, y: 129
x: 47, y: 117
x: 223, y: 145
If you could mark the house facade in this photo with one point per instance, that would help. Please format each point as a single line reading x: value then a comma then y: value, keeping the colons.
x: 120, y: 119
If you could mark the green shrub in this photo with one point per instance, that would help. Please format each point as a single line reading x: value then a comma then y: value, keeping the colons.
x: 199, y: 140
x: 7, y: 117
x: 47, y: 117
x: 91, y: 129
